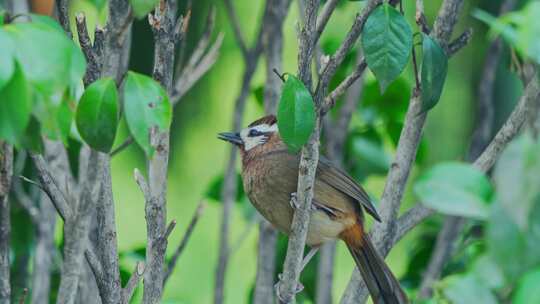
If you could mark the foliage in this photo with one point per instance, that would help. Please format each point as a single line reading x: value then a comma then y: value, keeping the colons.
x: 520, y: 29
x: 97, y: 114
x: 510, y: 257
x: 295, y: 114
x: 434, y: 69
x: 146, y: 106
x: 387, y: 43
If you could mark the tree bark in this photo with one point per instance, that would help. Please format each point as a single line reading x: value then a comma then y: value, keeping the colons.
x: 6, y: 172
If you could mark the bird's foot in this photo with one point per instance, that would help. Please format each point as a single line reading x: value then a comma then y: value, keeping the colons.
x: 299, y: 288
x: 294, y: 201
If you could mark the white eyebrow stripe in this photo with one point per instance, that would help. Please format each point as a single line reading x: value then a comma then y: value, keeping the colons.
x: 266, y: 128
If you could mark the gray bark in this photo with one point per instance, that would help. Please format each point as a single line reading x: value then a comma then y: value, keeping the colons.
x: 6, y: 172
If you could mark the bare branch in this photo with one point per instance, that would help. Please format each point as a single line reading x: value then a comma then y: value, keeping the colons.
x: 143, y: 185
x: 332, y: 98
x: 95, y: 265
x: 51, y: 188
x: 192, y: 73
x: 91, y: 52
x: 460, y: 42
x: 163, y: 23
x: 235, y: 23
x: 134, y: 279
x: 172, y: 262
x: 421, y: 17
x: 122, y: 146
x: 63, y: 15
x: 510, y: 128
x: 266, y: 264
x: 337, y: 58
x: 6, y: 172
x: 324, y: 16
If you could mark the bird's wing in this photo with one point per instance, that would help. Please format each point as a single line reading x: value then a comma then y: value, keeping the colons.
x: 340, y: 180
x: 336, y: 178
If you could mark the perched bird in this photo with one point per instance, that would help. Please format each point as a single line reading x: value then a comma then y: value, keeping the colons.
x: 270, y: 175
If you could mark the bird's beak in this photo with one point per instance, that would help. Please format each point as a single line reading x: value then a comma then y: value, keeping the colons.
x: 231, y: 137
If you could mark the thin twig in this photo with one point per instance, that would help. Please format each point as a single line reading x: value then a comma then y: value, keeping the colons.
x: 172, y: 262
x: 228, y: 191
x: 134, y: 279
x: 122, y: 146
x: 324, y: 16
x: 50, y: 187
x: 235, y: 23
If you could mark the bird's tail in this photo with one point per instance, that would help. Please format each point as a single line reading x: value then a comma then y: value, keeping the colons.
x: 381, y: 283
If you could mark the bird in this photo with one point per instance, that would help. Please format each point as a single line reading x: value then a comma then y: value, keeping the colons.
x: 270, y: 175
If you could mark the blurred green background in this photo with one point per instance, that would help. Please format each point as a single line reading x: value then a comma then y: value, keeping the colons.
x: 197, y: 157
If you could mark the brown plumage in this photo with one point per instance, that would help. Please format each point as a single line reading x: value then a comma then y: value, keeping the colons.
x: 270, y: 175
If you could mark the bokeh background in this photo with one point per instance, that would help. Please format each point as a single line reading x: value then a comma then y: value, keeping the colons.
x: 198, y: 158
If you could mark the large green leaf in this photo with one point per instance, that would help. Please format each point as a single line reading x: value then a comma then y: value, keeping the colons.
x: 527, y: 291
x: 146, y: 106
x: 51, y: 71
x: 387, y: 43
x: 455, y: 189
x: 434, y: 70
x: 15, y: 107
x: 7, y: 64
x: 517, y: 179
x: 295, y: 114
x: 514, y: 250
x: 97, y: 114
x: 142, y: 7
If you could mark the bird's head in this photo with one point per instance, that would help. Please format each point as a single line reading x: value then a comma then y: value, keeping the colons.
x: 257, y: 135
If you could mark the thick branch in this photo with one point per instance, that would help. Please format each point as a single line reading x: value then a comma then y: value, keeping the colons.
x: 6, y: 173
x: 163, y: 22
x: 62, y: 7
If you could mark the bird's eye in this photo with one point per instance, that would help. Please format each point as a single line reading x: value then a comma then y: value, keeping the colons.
x: 254, y: 133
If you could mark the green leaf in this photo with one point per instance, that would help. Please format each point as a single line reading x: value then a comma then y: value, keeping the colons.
x: 97, y: 114
x: 146, y: 106
x: 213, y: 192
x: 434, y: 70
x: 513, y: 250
x: 466, y: 289
x: 517, y: 179
x: 387, y: 43
x: 7, y: 64
x: 295, y: 114
x: 2, y: 16
x: 488, y: 272
x: 15, y: 107
x: 527, y: 290
x: 142, y: 7
x: 455, y: 189
x: 51, y: 71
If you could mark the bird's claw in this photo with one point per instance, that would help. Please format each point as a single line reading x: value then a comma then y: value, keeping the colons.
x: 299, y: 288
x: 294, y: 201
